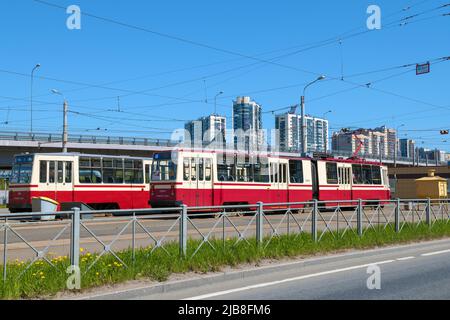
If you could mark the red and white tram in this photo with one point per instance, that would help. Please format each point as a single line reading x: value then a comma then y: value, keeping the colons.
x: 208, y: 178
x: 101, y: 182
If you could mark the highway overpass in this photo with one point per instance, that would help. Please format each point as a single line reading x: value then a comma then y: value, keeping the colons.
x: 12, y: 143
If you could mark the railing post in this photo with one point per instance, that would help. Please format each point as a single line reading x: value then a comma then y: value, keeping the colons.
x: 397, y: 215
x: 314, y: 220
x: 183, y: 231
x: 133, y: 241
x: 260, y: 224
x: 75, y: 238
x: 359, y: 224
x: 5, y: 250
x: 428, y: 212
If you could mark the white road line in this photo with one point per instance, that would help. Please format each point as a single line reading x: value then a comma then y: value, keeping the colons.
x: 267, y: 284
x: 405, y: 258
x: 435, y: 253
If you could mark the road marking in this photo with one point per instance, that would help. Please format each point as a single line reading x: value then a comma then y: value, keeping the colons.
x: 435, y: 253
x: 405, y: 258
x: 267, y: 284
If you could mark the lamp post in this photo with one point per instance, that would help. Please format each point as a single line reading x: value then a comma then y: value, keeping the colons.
x: 328, y: 112
x: 65, y: 110
x: 302, y: 103
x: 37, y: 66
x: 396, y: 146
x: 215, y: 102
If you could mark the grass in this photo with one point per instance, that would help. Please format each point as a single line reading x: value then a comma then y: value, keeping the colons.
x: 41, y: 280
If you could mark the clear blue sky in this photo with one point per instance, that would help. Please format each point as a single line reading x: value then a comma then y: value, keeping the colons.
x: 127, y: 61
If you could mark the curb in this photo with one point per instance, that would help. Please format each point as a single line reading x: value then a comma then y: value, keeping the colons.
x: 241, y: 274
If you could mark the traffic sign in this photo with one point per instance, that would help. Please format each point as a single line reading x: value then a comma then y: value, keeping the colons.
x: 423, y: 68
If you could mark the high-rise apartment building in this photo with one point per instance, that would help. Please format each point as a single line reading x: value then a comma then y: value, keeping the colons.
x: 205, y: 130
x: 247, y: 124
x: 288, y: 128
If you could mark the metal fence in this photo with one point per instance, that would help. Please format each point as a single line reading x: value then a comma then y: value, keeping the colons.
x: 24, y: 237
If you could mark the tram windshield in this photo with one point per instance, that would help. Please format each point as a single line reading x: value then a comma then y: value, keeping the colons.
x: 163, y: 168
x: 22, y: 170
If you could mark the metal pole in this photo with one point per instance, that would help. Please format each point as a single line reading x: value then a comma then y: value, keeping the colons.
x: 64, y: 140
x: 260, y: 224
x: 75, y: 238
x: 314, y: 220
x: 303, y: 131
x: 5, y: 250
x: 428, y: 212
x: 397, y: 216
x: 359, y: 218
x: 133, y: 241
x: 183, y: 231
x: 37, y: 66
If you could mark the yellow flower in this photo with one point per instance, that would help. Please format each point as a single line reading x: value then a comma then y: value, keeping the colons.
x: 81, y: 250
x: 97, y: 274
x: 42, y: 277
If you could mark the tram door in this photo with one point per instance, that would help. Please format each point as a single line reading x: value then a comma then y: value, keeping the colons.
x: 57, y: 176
x: 315, y: 180
x: 345, y: 183
x: 204, y: 182
x: 279, y: 181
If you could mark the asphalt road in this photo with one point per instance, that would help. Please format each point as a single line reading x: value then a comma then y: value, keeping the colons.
x: 418, y: 271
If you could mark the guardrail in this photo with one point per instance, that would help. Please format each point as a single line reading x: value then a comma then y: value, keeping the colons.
x: 48, y: 138
x: 263, y: 222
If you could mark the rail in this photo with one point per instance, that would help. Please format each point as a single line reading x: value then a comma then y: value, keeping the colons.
x: 26, y: 236
x: 48, y: 138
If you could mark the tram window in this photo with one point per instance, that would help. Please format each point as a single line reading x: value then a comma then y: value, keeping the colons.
x: 225, y: 172
x: 367, y: 174
x: 128, y: 173
x: 107, y: 163
x: 118, y: 171
x: 193, y: 170
x: 208, y: 169
x: 52, y: 171
x: 201, y: 172
x: 261, y: 171
x: 186, y: 169
x: 357, y: 174
x: 332, y: 174
x: 60, y: 172
x: 85, y: 163
x: 138, y: 171
x: 376, y: 175
x: 108, y: 175
x: 68, y: 177
x: 241, y: 174
x: 296, y: 171
x: 128, y: 176
x: 147, y: 173
x: 43, y: 172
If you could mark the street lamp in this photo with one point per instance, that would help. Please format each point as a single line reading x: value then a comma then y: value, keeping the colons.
x: 302, y: 103
x: 215, y: 102
x: 37, y: 66
x: 65, y: 110
x: 328, y: 112
x: 396, y: 145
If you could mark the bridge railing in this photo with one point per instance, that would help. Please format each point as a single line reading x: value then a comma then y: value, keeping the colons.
x: 49, y: 138
x: 26, y: 237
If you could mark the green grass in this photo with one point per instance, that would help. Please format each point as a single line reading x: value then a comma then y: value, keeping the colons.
x: 41, y: 280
